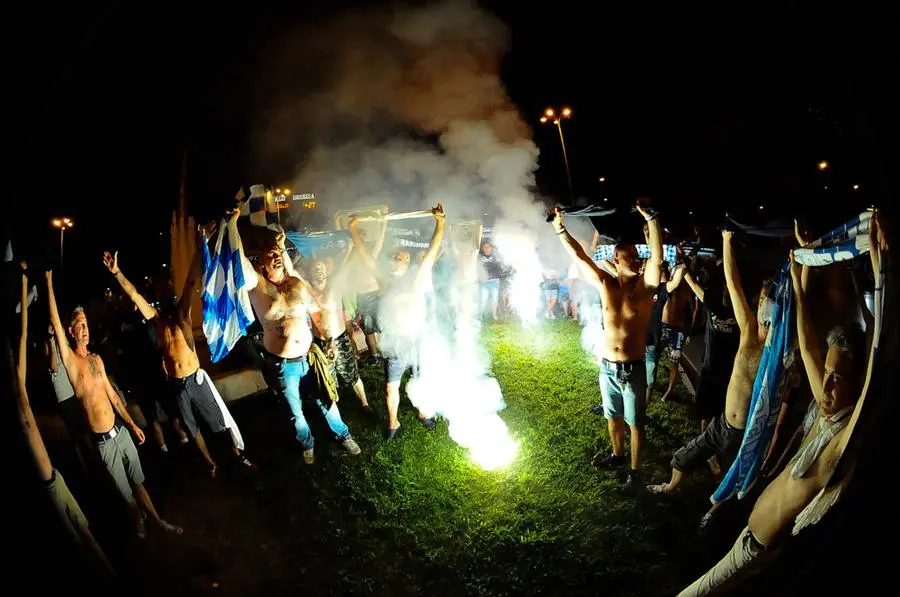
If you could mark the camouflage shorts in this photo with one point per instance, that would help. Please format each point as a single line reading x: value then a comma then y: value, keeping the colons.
x: 344, y: 368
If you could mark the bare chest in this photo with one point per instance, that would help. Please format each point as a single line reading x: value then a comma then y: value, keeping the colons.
x: 274, y: 302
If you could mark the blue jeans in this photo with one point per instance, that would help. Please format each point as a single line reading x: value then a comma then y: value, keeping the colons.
x: 489, y: 295
x: 651, y: 360
x: 624, y: 390
x: 291, y: 376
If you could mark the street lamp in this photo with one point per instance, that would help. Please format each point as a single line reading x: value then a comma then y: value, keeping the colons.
x: 550, y: 116
x: 823, y: 165
x: 62, y: 224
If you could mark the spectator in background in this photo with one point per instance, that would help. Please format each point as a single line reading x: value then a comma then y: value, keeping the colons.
x: 489, y: 274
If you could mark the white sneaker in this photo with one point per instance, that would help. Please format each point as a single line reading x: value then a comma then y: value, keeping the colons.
x: 351, y: 446
x: 171, y: 528
x: 308, y: 456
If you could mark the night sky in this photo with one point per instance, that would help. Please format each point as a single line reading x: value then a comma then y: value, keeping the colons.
x: 703, y: 110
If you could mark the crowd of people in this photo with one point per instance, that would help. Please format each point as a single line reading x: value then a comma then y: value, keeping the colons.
x: 310, y: 314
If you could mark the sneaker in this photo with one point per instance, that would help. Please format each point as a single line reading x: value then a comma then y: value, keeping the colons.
x: 608, y: 461
x: 309, y: 457
x: 351, y: 446
x: 634, y: 479
x: 428, y: 423
x: 659, y: 489
x: 704, y: 522
x: 368, y: 411
x: 597, y: 410
x: 390, y: 434
x: 171, y: 528
x: 164, y: 448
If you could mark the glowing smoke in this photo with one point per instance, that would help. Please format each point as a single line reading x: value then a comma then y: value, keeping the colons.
x: 407, y: 108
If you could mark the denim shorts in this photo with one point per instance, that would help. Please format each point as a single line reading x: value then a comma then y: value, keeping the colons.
x: 624, y: 390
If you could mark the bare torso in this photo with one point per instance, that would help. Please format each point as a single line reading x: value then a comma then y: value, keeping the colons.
x: 282, y: 313
x: 675, y: 309
x: 88, y: 377
x: 785, y: 497
x: 626, y: 313
x: 740, y: 386
x: 177, y: 345
x: 329, y: 321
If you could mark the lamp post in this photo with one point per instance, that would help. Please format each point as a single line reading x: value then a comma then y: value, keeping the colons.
x: 62, y: 224
x: 551, y: 116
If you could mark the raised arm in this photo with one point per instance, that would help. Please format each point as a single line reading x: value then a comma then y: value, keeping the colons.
x: 695, y: 286
x: 362, y: 250
x: 190, y: 281
x: 595, y: 242
x: 878, y: 245
x: 434, y: 246
x: 112, y: 264
x: 807, y: 339
x: 742, y: 312
x: 35, y: 441
x: 586, y: 265
x: 379, y: 244
x: 653, y: 268
x: 65, y: 352
x: 677, y: 277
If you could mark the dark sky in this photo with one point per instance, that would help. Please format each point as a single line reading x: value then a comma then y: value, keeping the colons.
x: 705, y: 110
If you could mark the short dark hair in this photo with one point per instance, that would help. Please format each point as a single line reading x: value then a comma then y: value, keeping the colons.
x: 623, y: 246
x: 851, y: 340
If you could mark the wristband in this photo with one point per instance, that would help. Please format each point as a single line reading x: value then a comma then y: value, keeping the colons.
x: 561, y: 231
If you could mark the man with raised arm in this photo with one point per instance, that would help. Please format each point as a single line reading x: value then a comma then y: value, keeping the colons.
x: 73, y: 519
x: 402, y: 316
x: 328, y: 326
x: 723, y: 436
x: 627, y: 300
x: 368, y: 298
x: 839, y: 383
x: 282, y: 299
x: 674, y: 324
x: 101, y: 404
x: 190, y: 386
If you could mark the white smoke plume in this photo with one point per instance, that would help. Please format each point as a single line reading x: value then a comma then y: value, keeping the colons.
x: 407, y: 108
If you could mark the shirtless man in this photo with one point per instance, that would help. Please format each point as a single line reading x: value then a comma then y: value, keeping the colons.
x: 627, y: 299
x: 723, y: 436
x: 73, y: 519
x: 674, y: 316
x: 101, y: 405
x: 329, y: 329
x: 190, y: 386
x: 403, y: 313
x: 281, y: 300
x: 368, y: 297
x: 837, y: 382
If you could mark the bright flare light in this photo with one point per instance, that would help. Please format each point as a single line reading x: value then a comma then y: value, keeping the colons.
x: 543, y: 119
x: 823, y: 165
x: 567, y: 112
x: 549, y: 112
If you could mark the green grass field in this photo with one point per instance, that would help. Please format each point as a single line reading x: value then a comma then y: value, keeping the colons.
x: 416, y: 517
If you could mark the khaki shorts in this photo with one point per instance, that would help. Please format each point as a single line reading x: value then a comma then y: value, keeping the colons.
x: 73, y: 518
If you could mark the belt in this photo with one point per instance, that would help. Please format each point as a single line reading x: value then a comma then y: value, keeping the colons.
x: 623, y: 363
x: 273, y: 358
x: 102, y: 437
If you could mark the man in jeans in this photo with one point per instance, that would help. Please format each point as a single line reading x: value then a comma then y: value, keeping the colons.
x: 281, y: 300
x: 628, y: 300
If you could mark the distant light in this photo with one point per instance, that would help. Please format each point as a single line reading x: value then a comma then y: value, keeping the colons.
x: 567, y: 112
x: 823, y: 165
x: 164, y: 265
x: 760, y: 206
x: 278, y: 190
x: 549, y: 112
x: 826, y: 187
x: 287, y: 191
x: 856, y: 187
x: 57, y: 223
x: 602, y: 179
x: 67, y: 220
x: 543, y: 119
x: 605, y: 199
x: 690, y: 213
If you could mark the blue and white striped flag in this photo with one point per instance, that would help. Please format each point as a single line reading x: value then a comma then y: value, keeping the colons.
x: 262, y: 208
x: 841, y: 244
x: 227, y: 312
x: 608, y: 252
